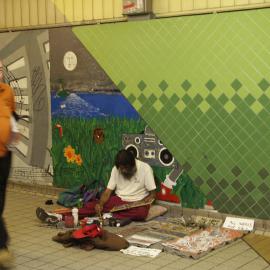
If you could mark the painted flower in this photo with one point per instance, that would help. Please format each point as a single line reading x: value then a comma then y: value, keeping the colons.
x: 78, y: 160
x: 69, y: 153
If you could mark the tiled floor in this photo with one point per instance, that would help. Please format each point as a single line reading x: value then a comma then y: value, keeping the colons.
x: 33, y: 248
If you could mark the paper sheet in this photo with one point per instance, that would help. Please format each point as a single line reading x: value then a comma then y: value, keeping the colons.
x: 138, y: 251
x: 239, y: 224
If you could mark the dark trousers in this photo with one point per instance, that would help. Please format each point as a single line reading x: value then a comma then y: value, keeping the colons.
x: 5, y: 164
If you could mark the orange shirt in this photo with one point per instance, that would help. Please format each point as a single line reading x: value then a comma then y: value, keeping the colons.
x: 7, y: 106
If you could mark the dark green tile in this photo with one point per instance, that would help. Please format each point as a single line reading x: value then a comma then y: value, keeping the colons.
x: 198, y: 181
x: 236, y: 99
x: 228, y: 207
x: 264, y: 84
x: 142, y: 85
x: 211, y: 99
x: 186, y: 99
x: 236, y: 185
x: 223, y: 113
x: 263, y: 188
x: 210, y: 85
x: 186, y: 85
x: 223, y: 99
x: 264, y: 100
x: 236, y: 84
x: 236, y: 198
x: 250, y: 99
x: 211, y: 168
x: 131, y: 98
x: 224, y: 183
x: 163, y: 85
x: 152, y: 98
x: 223, y: 197
x: 142, y: 98
x: 174, y: 99
x: 198, y: 99
x: 211, y: 182
x: 263, y: 173
x: 121, y: 86
x: 164, y: 100
x: 236, y: 171
x: 217, y: 189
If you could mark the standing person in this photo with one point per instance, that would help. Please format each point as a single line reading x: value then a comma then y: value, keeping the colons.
x: 7, y: 127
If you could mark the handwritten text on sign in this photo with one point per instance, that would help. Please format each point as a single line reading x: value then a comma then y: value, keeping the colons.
x: 239, y: 224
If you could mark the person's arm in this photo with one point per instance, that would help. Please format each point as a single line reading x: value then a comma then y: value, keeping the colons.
x: 103, y: 199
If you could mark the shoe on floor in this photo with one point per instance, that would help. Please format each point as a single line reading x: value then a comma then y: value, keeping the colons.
x: 6, y: 258
x: 43, y: 216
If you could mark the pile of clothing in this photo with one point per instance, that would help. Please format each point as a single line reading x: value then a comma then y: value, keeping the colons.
x: 90, y: 237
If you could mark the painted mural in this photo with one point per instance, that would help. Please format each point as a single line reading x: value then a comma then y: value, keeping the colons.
x: 25, y: 56
x: 92, y: 120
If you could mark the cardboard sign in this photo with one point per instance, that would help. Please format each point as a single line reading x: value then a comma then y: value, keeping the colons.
x: 239, y: 224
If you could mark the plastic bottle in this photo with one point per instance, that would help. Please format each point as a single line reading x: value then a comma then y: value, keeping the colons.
x: 75, y: 214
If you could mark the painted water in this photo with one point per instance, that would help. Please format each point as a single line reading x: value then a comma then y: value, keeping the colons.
x: 92, y: 105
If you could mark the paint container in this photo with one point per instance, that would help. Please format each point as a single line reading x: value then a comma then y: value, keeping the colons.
x: 69, y: 222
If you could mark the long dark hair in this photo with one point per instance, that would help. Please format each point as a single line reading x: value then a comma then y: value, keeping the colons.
x: 124, y: 158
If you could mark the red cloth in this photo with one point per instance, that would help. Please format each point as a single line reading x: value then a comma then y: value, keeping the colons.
x: 137, y: 213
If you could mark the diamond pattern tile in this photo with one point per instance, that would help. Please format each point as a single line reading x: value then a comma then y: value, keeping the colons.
x: 236, y: 85
x: 209, y: 93
x: 142, y: 85
x: 163, y: 85
x: 264, y: 84
x: 186, y: 85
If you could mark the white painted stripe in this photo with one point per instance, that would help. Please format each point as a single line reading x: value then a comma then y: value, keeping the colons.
x: 22, y: 100
x: 23, y: 130
x: 23, y: 148
x: 17, y: 64
x: 19, y: 83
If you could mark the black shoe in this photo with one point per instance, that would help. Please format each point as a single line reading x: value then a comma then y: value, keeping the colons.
x: 43, y: 216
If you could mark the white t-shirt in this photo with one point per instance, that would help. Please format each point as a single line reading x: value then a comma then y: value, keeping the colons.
x: 137, y: 187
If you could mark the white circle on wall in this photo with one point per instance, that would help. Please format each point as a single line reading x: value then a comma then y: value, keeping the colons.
x: 70, y: 61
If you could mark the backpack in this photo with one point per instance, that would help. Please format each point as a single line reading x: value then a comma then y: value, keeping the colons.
x: 80, y: 195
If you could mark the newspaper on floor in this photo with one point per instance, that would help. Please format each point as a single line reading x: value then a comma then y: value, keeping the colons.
x: 139, y: 251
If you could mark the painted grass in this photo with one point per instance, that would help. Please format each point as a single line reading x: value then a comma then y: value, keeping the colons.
x: 98, y: 159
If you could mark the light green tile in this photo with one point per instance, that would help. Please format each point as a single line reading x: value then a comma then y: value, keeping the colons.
x: 256, y: 107
x: 229, y: 107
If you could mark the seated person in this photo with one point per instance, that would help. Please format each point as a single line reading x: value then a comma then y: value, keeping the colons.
x: 131, y: 181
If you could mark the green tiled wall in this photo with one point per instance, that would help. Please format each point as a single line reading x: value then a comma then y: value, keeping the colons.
x: 203, y: 85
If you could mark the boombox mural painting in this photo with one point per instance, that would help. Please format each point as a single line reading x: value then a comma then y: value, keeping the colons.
x: 148, y: 148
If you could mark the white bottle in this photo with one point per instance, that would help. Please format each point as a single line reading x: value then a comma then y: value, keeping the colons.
x: 75, y: 215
